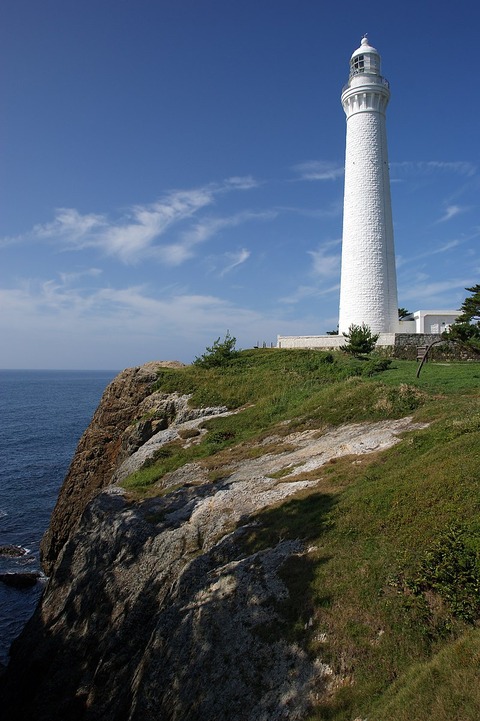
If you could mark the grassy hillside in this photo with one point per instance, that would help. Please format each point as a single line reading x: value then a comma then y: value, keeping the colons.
x: 389, y: 595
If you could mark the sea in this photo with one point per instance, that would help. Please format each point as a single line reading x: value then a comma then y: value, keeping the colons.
x: 43, y: 414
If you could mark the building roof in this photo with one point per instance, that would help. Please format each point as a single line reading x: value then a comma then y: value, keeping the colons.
x: 364, y: 48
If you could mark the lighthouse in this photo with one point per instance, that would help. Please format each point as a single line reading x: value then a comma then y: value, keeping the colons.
x: 368, y: 284
x: 368, y: 281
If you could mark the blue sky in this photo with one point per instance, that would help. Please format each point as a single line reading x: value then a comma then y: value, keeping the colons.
x: 171, y: 169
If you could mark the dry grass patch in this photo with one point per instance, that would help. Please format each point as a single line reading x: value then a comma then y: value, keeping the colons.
x: 336, y: 474
x: 229, y: 457
x: 188, y: 433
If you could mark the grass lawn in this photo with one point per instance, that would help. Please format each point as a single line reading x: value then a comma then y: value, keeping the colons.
x: 436, y: 377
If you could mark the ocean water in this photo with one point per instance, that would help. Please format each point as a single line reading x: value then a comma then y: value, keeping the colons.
x: 42, y: 417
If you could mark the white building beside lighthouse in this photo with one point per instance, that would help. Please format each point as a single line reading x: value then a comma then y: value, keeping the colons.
x: 368, y: 285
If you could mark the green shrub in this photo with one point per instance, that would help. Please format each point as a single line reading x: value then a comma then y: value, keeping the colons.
x: 452, y: 569
x: 466, y: 328
x: 218, y: 438
x: 360, y: 339
x: 219, y: 354
x: 160, y: 454
x: 376, y: 365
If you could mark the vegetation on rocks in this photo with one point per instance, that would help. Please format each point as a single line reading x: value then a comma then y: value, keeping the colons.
x: 300, y: 389
x: 388, y: 594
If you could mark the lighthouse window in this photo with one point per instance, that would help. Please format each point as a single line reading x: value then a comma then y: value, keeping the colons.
x: 358, y: 64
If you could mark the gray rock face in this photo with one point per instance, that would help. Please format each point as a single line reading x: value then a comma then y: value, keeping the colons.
x: 166, y: 630
x: 155, y: 608
x: 98, y: 452
x: 181, y: 417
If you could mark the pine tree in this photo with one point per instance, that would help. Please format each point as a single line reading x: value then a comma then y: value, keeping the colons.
x: 360, y: 339
x: 466, y: 329
x: 218, y: 354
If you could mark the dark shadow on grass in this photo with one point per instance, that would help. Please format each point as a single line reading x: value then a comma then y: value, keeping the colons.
x: 299, y: 518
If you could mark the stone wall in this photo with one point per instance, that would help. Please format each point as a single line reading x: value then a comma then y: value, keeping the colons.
x: 406, y: 344
x: 396, y: 345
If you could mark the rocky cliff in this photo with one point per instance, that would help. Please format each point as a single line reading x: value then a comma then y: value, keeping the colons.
x: 156, y: 606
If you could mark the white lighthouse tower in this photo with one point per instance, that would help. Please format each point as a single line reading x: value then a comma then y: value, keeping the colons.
x: 368, y: 287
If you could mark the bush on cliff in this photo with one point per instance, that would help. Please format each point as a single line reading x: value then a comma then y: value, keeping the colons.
x: 219, y: 354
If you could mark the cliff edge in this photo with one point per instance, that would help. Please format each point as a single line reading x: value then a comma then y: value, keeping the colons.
x: 175, y: 599
x: 98, y: 452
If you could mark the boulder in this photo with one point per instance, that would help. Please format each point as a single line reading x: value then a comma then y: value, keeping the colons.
x: 13, y: 551
x: 20, y: 580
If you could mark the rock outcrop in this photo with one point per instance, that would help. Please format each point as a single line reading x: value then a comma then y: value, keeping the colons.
x: 157, y: 608
x: 98, y: 452
x: 20, y: 580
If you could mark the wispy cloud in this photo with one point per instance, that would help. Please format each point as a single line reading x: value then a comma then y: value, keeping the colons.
x: 431, y: 167
x: 68, y: 278
x: 442, y: 248
x: 164, y: 230
x: 325, y: 263
x: 245, y: 182
x: 234, y: 260
x: 48, y: 312
x: 451, y: 211
x: 325, y: 268
x: 435, y: 250
x: 98, y: 303
x: 205, y: 228
x: 449, y: 245
x: 318, y: 170
x: 304, y: 292
x: 184, y: 247
x: 70, y: 225
x: 434, y: 292
x: 132, y: 237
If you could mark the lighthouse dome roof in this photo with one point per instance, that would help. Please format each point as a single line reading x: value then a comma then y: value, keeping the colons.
x: 365, y: 47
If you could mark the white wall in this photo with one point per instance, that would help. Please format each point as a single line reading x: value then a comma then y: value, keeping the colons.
x: 434, y: 321
x: 327, y: 342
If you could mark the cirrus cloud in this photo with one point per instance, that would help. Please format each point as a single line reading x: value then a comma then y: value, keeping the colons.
x: 318, y: 170
x: 166, y: 230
